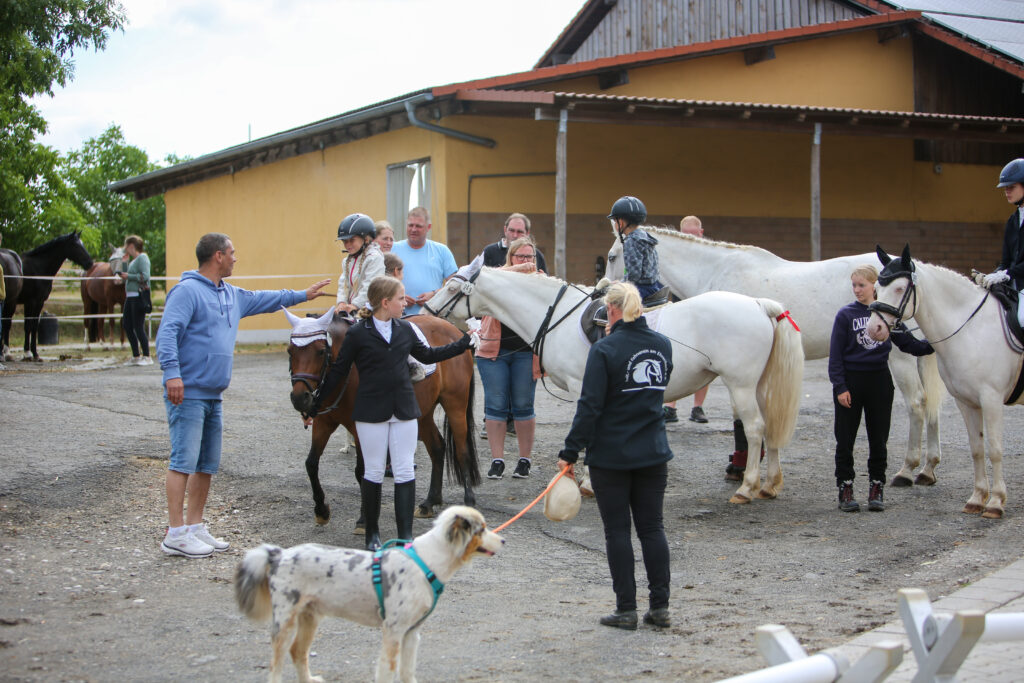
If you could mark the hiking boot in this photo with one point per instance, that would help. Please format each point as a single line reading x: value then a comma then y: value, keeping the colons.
x: 185, y: 545
x: 497, y: 469
x: 204, y: 535
x: 737, y: 466
x: 875, y: 501
x: 670, y: 414
x: 522, y: 469
x: 658, y: 617
x: 416, y: 372
x: 697, y: 415
x: 846, y: 501
x: 625, y: 619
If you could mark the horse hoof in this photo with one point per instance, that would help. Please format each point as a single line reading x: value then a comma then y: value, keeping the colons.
x: 924, y: 480
x: 972, y: 509
x: 900, y: 482
x: 739, y: 499
x: 422, y: 512
x: 992, y: 513
x: 767, y: 495
x: 321, y: 521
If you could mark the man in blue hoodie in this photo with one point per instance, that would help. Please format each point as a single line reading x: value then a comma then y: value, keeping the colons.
x: 195, y: 346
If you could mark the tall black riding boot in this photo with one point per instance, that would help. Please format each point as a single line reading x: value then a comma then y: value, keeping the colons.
x: 371, y: 511
x: 405, y: 502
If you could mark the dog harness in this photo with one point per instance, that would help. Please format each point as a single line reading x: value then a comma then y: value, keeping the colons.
x: 435, y: 583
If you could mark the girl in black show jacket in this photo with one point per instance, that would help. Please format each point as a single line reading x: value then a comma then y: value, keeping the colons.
x: 385, y: 411
x: 619, y: 422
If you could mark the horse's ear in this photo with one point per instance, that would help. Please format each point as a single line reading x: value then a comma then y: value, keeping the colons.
x: 293, y: 319
x: 905, y: 259
x: 324, y: 321
x: 882, y: 256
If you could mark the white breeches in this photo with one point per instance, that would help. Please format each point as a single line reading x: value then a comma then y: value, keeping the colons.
x: 376, y: 439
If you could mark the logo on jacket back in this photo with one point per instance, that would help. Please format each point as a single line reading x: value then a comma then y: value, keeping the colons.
x: 646, y: 369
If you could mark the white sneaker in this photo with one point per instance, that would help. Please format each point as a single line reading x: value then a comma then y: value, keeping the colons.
x: 146, y: 360
x: 203, y: 534
x: 185, y: 545
x: 134, y: 360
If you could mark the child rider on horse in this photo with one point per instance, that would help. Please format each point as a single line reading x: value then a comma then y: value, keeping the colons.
x: 639, y: 257
x: 364, y: 262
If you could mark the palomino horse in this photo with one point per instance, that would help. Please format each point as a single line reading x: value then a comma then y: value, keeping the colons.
x: 43, y: 261
x: 975, y: 361
x: 101, y: 291
x: 813, y: 292
x: 316, y: 342
x: 722, y: 334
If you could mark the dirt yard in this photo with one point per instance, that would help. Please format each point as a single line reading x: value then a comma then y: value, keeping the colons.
x: 86, y: 594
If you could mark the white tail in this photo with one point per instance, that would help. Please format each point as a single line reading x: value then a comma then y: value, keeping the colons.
x: 778, y: 390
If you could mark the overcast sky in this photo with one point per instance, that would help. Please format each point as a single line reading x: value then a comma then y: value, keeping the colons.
x: 190, y: 77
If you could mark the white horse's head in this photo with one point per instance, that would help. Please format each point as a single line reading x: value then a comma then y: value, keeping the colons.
x: 613, y: 268
x: 306, y: 330
x: 895, y: 294
x: 451, y: 301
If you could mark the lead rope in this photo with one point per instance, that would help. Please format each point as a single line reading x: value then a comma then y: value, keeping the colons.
x: 567, y: 468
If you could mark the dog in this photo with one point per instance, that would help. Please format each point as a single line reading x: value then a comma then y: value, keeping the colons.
x: 296, y: 587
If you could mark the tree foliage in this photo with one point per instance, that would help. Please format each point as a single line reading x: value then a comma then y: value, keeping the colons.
x: 38, y: 39
x: 89, y: 171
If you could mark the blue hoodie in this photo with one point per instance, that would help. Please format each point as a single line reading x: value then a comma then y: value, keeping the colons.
x: 196, y: 339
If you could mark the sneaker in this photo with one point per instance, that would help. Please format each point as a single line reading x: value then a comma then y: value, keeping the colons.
x: 846, y: 501
x: 875, y: 501
x: 670, y: 414
x: 658, y: 617
x: 625, y: 619
x: 497, y: 469
x: 203, y: 534
x: 146, y: 360
x: 134, y: 360
x: 697, y: 415
x: 522, y: 469
x: 185, y: 545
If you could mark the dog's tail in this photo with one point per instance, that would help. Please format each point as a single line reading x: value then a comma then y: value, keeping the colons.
x: 252, y: 584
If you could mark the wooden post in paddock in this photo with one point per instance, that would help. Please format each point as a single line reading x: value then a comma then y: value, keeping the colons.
x: 816, y: 194
x: 560, y: 178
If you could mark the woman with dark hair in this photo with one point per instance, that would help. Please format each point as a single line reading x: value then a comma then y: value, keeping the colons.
x: 136, y: 296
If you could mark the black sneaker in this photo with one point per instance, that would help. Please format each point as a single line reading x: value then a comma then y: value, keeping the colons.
x: 697, y: 415
x: 658, y: 617
x: 522, y: 469
x: 621, y: 619
x: 670, y: 414
x: 497, y: 469
x: 875, y: 500
x: 846, y: 501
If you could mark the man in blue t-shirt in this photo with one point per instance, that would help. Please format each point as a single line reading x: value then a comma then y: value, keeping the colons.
x: 426, y: 264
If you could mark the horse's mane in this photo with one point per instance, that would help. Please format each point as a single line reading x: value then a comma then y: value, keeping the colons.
x: 35, y: 251
x: 542, y: 275
x: 945, y: 272
x: 672, y: 233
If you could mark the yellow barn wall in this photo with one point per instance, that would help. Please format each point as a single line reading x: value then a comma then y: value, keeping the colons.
x: 283, y: 217
x: 852, y: 70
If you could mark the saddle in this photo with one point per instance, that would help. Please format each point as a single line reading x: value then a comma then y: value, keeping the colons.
x: 1010, y: 299
x: 594, y: 319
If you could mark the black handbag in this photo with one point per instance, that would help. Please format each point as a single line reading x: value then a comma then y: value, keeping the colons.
x: 147, y: 301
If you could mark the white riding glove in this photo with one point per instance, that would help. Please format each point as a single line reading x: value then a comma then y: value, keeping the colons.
x: 995, y: 278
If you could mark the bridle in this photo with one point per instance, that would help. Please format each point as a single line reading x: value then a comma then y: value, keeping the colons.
x: 325, y: 365
x: 448, y: 307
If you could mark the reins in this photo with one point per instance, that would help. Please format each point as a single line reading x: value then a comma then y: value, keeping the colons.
x: 545, y: 328
x: 897, y: 312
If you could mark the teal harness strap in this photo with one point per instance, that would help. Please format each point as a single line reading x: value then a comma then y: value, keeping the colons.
x: 435, y: 583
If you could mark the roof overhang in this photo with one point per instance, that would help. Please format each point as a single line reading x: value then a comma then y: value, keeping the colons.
x: 781, y: 118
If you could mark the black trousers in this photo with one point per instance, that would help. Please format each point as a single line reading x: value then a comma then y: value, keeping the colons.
x: 870, y: 393
x: 134, y: 323
x: 640, y: 494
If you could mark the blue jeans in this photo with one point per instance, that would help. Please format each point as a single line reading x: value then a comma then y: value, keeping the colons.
x: 195, y: 425
x: 508, y: 382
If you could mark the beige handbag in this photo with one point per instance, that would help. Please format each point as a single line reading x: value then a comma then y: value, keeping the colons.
x: 563, y: 500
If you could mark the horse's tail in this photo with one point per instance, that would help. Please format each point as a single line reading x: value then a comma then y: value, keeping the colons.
x: 778, y: 390
x: 468, y: 471
x: 252, y: 581
x: 934, y: 388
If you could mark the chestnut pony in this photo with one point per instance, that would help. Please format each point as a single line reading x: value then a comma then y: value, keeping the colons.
x: 100, y: 293
x: 316, y: 342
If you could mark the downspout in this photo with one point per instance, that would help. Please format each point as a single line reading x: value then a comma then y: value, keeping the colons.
x: 410, y: 110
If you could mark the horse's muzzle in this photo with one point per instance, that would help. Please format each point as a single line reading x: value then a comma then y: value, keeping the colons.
x: 302, y: 402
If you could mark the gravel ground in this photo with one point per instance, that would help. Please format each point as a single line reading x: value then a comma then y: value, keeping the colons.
x: 86, y: 594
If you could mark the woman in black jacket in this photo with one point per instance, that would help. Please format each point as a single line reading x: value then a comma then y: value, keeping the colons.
x: 386, y: 411
x: 619, y: 422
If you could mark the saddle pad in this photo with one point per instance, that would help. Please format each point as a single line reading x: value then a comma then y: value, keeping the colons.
x: 428, y: 369
x: 587, y: 328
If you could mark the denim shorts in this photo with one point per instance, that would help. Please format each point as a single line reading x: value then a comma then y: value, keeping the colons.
x: 508, y: 384
x: 195, y: 425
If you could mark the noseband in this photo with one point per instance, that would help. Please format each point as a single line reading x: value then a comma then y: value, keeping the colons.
x: 446, y: 309
x: 897, y: 312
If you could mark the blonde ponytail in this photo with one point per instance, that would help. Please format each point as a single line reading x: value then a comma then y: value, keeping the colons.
x: 625, y: 297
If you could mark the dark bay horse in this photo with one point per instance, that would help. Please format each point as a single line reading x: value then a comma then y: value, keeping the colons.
x: 99, y: 296
x: 316, y: 342
x: 44, y: 260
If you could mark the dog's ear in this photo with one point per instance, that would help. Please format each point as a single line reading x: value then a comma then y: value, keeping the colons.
x: 460, y: 526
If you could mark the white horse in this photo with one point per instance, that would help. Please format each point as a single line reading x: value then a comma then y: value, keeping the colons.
x: 813, y: 291
x: 735, y: 337
x: 975, y: 361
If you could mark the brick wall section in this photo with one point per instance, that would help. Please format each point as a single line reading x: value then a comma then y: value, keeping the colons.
x: 960, y: 246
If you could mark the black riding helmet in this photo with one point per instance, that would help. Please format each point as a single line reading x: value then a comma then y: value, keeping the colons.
x: 631, y: 209
x: 356, y: 225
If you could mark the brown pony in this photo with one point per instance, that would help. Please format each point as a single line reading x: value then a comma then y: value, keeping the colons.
x: 99, y: 296
x: 451, y: 386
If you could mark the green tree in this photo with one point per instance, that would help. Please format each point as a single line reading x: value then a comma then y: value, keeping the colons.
x: 89, y: 171
x: 37, y: 42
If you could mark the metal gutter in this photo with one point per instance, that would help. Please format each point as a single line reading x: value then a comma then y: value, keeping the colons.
x: 410, y: 110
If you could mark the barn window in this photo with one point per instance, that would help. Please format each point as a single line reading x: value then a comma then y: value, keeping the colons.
x: 408, y: 186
